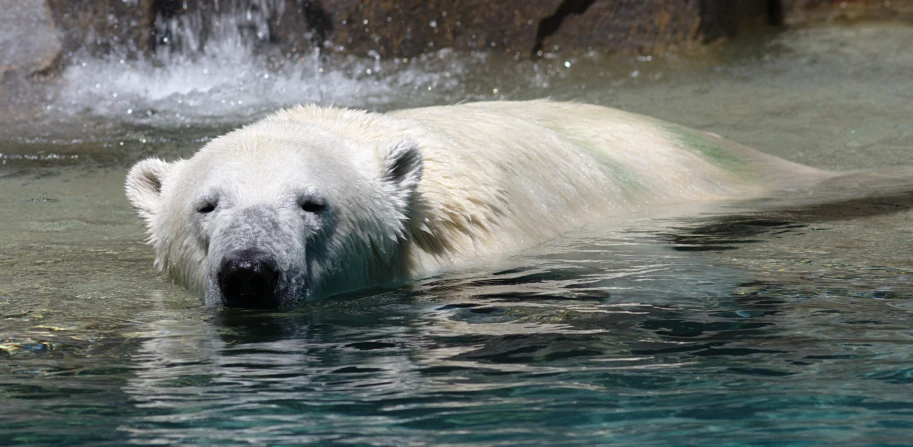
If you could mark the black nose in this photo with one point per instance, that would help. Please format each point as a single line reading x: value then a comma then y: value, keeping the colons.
x: 249, y: 280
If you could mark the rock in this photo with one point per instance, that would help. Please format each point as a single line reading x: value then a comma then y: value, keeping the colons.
x: 406, y: 28
x: 640, y: 25
x: 411, y: 27
x: 386, y: 28
x: 122, y: 27
x: 29, y: 41
x: 646, y: 25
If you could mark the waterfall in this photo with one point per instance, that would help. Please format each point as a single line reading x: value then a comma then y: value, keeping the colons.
x: 227, y: 26
x: 213, y: 61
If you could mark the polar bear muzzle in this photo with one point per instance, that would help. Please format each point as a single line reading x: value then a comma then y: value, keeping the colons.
x: 253, y: 257
x: 249, y: 279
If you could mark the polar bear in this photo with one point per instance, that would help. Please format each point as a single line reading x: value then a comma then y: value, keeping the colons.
x: 313, y: 201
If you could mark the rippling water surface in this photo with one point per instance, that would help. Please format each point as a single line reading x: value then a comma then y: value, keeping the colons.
x: 734, y: 327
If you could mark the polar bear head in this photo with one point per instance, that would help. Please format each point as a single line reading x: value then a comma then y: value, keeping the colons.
x: 280, y: 211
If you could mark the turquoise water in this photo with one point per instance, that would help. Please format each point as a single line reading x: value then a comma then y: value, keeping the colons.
x: 736, y: 327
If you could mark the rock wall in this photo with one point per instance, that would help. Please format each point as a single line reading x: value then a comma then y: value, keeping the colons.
x: 407, y: 28
x: 35, y: 34
x: 101, y: 26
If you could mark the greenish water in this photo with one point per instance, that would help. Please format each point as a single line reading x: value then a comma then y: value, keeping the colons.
x: 785, y: 327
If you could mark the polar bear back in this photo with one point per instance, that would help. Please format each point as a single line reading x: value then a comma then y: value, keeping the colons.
x: 499, y: 177
x: 503, y: 176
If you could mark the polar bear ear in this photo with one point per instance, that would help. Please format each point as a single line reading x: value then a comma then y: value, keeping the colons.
x: 144, y: 185
x: 403, y: 165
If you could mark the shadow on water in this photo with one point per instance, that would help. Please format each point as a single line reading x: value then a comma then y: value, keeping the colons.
x: 726, y: 232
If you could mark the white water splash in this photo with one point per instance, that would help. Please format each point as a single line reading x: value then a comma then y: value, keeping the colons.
x: 230, y: 75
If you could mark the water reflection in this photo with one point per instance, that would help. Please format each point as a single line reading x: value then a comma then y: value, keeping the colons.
x: 615, y: 334
x: 436, y: 353
x: 425, y: 362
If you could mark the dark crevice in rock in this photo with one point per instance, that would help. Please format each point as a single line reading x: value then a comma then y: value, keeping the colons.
x: 319, y: 21
x: 775, y: 13
x: 550, y: 24
x: 168, y: 9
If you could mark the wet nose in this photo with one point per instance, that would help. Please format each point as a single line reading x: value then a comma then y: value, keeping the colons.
x: 249, y: 280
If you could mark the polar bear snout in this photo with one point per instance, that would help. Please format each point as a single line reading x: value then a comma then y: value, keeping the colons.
x: 249, y: 279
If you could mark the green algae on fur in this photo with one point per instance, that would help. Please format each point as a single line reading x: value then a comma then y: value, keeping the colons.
x: 713, y: 149
x: 619, y: 170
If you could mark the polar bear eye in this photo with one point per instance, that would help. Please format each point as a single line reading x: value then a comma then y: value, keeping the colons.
x: 206, y: 207
x: 313, y: 206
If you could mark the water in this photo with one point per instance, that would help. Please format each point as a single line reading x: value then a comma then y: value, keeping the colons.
x: 781, y: 327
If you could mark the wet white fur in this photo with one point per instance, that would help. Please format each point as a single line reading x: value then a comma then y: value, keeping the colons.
x: 489, y: 178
